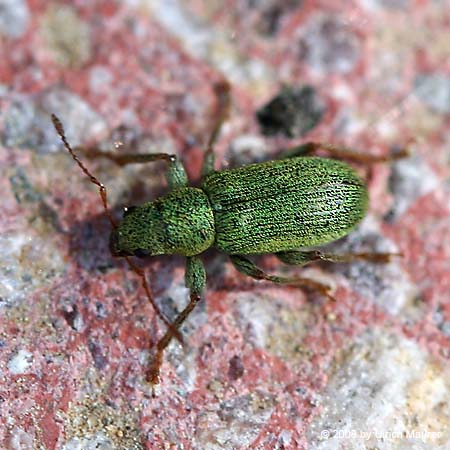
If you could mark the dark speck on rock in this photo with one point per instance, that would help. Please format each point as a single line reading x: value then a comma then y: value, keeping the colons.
x: 293, y: 112
x: 236, y: 368
x: 100, y: 360
x: 272, y: 13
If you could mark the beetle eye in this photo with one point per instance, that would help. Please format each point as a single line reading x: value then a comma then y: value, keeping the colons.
x: 141, y: 253
x: 128, y: 209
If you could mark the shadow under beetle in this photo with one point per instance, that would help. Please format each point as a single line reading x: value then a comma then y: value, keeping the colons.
x: 274, y: 207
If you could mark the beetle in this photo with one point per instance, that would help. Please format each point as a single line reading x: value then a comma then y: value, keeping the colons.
x: 279, y: 207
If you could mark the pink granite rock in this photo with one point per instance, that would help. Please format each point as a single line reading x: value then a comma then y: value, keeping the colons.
x: 264, y: 367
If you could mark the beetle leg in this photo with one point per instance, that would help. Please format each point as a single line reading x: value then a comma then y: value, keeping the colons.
x: 176, y: 175
x: 195, y: 278
x: 222, y: 91
x: 301, y: 258
x: 247, y: 267
x: 311, y: 148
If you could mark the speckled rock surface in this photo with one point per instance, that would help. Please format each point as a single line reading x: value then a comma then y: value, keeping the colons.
x: 264, y: 367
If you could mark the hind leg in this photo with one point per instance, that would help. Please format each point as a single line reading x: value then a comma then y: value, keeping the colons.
x: 247, y: 267
x: 300, y: 258
x: 311, y: 148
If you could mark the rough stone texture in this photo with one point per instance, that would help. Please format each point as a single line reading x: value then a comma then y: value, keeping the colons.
x: 373, y: 401
x: 434, y: 91
x: 14, y: 17
x: 328, y: 45
x: 264, y: 367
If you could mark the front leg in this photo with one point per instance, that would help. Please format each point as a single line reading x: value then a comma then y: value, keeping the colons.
x: 176, y: 175
x: 195, y: 278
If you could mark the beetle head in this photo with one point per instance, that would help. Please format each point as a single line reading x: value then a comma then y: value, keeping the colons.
x: 139, y: 234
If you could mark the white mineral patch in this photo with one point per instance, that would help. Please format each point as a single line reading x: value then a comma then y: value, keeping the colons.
x: 387, y: 285
x: 14, y: 17
x: 26, y: 261
x: 26, y: 120
x: 234, y: 423
x: 271, y: 322
x: 20, y: 362
x: 20, y: 439
x: 96, y: 442
x: 247, y: 149
x: 411, y: 178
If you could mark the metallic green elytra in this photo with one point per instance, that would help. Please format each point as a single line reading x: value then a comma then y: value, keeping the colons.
x: 260, y: 208
x: 284, y: 205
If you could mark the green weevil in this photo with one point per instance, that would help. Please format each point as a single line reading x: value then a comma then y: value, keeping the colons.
x: 279, y: 207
